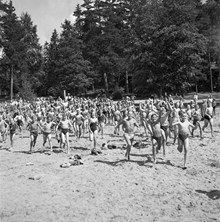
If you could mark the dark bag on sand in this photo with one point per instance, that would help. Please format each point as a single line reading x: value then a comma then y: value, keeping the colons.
x: 180, y: 149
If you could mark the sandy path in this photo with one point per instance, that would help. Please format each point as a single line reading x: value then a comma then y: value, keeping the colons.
x: 107, y: 188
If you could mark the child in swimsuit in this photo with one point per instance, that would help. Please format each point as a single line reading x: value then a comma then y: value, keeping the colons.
x: 208, y: 118
x: 12, y: 129
x: 129, y: 126
x: 46, y: 129
x: 101, y: 119
x: 164, y: 120
x: 157, y: 134
x: 93, y: 128
x: 196, y: 120
x: 64, y: 126
x: 78, y: 123
x: 183, y: 139
x: 33, y: 127
x: 3, y: 128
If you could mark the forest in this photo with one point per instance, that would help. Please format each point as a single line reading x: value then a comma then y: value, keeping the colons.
x: 118, y: 46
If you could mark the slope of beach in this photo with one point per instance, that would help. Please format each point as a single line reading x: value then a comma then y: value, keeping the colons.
x: 108, y: 188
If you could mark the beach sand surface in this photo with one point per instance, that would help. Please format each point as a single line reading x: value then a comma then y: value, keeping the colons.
x: 107, y: 187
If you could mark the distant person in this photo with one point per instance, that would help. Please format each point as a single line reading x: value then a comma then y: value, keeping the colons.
x: 196, y: 120
x: 210, y: 99
x: 203, y: 108
x: 208, y: 118
x: 214, y: 103
x: 3, y: 128
x: 195, y: 98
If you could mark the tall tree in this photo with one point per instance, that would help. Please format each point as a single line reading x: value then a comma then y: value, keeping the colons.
x: 170, y: 49
x: 64, y: 63
x: 51, y: 57
x: 12, y: 43
x: 21, y: 50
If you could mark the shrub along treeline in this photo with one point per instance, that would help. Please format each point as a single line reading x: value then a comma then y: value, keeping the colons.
x: 143, y: 46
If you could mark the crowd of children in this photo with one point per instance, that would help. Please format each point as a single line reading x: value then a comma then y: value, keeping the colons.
x: 161, y: 120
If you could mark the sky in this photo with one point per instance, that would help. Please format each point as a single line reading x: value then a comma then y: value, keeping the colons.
x: 47, y: 15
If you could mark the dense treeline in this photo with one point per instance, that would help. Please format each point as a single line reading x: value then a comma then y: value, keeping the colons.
x: 141, y: 46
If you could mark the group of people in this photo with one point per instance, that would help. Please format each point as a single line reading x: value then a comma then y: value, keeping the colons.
x: 161, y: 119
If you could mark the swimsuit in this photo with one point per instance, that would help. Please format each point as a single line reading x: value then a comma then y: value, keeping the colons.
x: 165, y: 128
x: 34, y: 133
x: 182, y: 137
x: 207, y: 117
x: 19, y: 122
x: 93, y: 127
x: 64, y: 131
x: 12, y: 128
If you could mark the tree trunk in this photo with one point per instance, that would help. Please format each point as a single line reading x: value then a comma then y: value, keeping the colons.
x: 106, y: 84
x: 12, y: 81
x: 196, y: 88
x: 126, y: 77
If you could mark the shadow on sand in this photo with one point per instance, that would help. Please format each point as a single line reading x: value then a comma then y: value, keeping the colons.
x: 140, y: 163
x: 79, y: 148
x: 213, y: 194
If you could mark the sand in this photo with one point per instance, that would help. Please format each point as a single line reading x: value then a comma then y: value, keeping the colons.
x: 108, y: 188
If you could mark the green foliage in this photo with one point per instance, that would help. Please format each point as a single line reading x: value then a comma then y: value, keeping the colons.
x: 165, y: 45
x: 64, y: 64
x: 21, y: 51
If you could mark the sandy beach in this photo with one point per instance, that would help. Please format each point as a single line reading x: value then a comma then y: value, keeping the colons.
x: 108, y: 188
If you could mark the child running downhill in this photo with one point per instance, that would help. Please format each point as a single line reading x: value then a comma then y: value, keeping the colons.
x: 183, y: 138
x: 12, y: 129
x: 129, y: 126
x: 33, y: 127
x: 46, y: 128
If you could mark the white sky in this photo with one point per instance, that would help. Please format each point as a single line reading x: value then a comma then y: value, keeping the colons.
x: 47, y: 14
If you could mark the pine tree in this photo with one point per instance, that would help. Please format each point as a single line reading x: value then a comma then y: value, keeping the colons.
x: 12, y: 44
x: 51, y: 57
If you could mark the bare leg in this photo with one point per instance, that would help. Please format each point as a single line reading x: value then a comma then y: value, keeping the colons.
x: 129, y: 143
x: 200, y: 128
x: 175, y: 128
x: 211, y: 126
x: 50, y: 142
x: 12, y: 140
x: 163, y: 141
x: 205, y: 124
x: 31, y: 144
x: 154, y: 151
x: 94, y: 138
x: 44, y: 140
x: 186, y: 145
x: 67, y: 142
x: 62, y: 142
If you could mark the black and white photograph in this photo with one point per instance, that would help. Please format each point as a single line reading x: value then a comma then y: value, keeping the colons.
x: 110, y: 110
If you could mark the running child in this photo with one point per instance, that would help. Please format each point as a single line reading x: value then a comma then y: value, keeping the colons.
x: 183, y: 138
x: 47, y: 130
x: 129, y: 126
x: 12, y: 129
x: 33, y: 126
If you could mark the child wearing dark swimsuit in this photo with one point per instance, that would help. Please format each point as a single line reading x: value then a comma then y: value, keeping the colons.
x: 183, y: 137
x: 12, y: 129
x: 93, y: 128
